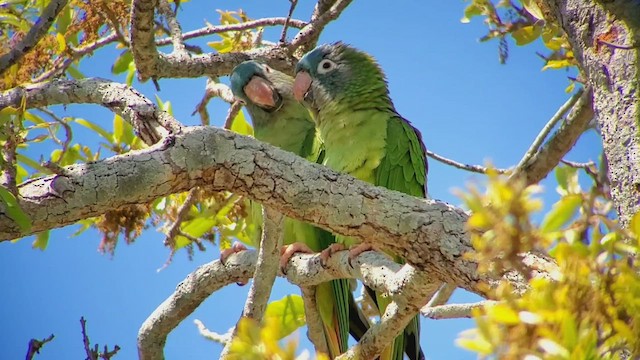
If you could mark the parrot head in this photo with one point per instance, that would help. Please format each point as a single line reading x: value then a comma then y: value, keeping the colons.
x: 337, y: 73
x: 255, y: 84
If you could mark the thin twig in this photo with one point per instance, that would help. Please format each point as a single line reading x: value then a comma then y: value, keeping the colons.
x: 35, y: 345
x: 539, y: 140
x: 213, y: 88
x: 548, y: 157
x: 221, y: 339
x: 236, y: 27
x: 37, y: 31
x: 174, y: 28
x: 266, y: 269
x: 234, y: 109
x: 61, y: 64
x: 315, y: 331
x: 174, y: 229
x: 617, y: 46
x: 473, y: 168
x: 67, y: 132
x: 442, y: 296
x: 310, y: 33
x: 283, y: 36
x: 453, y: 311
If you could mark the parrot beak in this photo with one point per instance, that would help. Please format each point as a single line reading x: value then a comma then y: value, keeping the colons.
x: 259, y: 91
x: 301, y: 85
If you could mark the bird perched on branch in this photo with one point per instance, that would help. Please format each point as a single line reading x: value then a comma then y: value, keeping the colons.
x: 280, y: 120
x: 363, y: 136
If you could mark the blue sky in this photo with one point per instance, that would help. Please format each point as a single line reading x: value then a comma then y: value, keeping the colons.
x: 468, y: 106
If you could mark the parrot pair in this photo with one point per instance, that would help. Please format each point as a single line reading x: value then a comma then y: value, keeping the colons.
x: 354, y: 129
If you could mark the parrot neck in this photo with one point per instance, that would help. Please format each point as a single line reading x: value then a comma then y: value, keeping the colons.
x: 288, y: 134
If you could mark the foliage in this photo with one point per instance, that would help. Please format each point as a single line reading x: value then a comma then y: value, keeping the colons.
x: 525, y: 23
x: 590, y: 309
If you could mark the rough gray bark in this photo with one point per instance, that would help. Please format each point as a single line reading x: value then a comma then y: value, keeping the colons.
x: 605, y: 37
x: 427, y: 233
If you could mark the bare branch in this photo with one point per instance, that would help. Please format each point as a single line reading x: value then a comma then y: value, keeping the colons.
x: 310, y: 33
x: 35, y: 345
x: 149, y: 123
x: 37, y: 31
x: 94, y: 353
x: 174, y: 28
x: 576, y: 122
x: 62, y: 63
x: 267, y: 265
x: 315, y: 332
x: 222, y: 339
x: 174, y: 229
x: 410, y: 292
x: 453, y: 311
x: 8, y: 157
x: 266, y: 270
x: 442, y: 296
x: 472, y: 168
x: 213, y: 89
x: 234, y: 109
x: 143, y: 46
x: 252, y: 24
x: 555, y: 119
x: 283, y: 36
x: 427, y: 233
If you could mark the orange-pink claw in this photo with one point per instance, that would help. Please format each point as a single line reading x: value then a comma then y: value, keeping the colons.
x: 234, y: 249
x: 288, y: 251
x: 332, y: 249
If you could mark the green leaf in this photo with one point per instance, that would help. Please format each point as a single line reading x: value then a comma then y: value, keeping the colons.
x: 532, y: 8
x: 75, y: 73
x: 558, y: 64
x: 199, y: 226
x: 64, y: 19
x: 118, y: 128
x: 95, y: 127
x: 471, y: 11
x: 634, y: 226
x: 288, y: 311
x: 41, y: 241
x: 561, y: 212
x: 526, y: 34
x: 566, y: 176
x: 13, y: 209
x: 240, y: 125
x: 122, y: 63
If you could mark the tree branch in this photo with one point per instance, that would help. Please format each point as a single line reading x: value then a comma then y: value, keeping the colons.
x: 427, y: 233
x: 539, y: 140
x: 149, y: 123
x: 37, y: 31
x: 35, y: 345
x: 315, y: 331
x: 473, y: 168
x: 174, y: 29
x: 453, y: 311
x: 309, y: 34
x: 576, y: 123
x: 266, y: 270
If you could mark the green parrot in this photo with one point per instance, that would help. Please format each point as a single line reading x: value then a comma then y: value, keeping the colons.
x: 365, y: 137
x: 280, y: 120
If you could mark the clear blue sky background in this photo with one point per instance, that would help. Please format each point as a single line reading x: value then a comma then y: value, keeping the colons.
x: 468, y: 107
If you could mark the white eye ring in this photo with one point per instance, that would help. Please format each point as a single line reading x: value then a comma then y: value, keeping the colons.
x: 325, y: 66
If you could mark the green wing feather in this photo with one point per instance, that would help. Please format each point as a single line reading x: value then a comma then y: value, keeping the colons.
x: 403, y: 169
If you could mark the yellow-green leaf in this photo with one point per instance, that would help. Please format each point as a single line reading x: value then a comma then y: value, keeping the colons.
x: 14, y: 210
x: 41, y: 241
x: 62, y: 43
x: 532, y: 8
x: 240, y: 125
x: 288, y: 312
x: 561, y: 212
x: 558, y: 64
x: 526, y: 34
x: 95, y: 127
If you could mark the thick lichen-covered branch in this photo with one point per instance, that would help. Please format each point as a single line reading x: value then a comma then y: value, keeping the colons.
x: 427, y: 233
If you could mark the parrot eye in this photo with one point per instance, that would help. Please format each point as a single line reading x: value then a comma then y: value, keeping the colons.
x: 325, y: 66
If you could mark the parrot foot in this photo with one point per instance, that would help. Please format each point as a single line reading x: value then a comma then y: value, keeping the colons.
x: 332, y: 249
x: 355, y: 251
x: 234, y: 249
x: 287, y: 251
